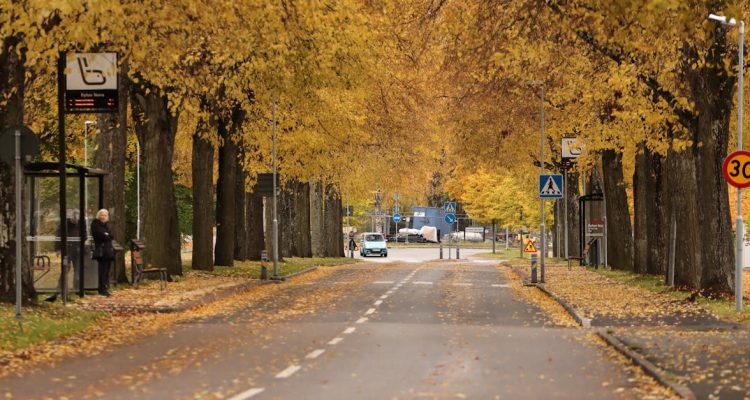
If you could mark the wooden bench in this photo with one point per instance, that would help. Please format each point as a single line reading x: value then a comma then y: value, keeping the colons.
x: 140, y: 268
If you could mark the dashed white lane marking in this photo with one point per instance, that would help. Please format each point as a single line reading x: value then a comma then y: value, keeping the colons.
x: 362, y: 320
x: 463, y: 284
x: 422, y: 283
x: 335, y: 341
x: 383, y: 282
x: 315, y: 354
x: 378, y: 302
x: 349, y: 330
x: 369, y: 311
x: 500, y: 285
x: 383, y: 297
x: 288, y: 372
x: 247, y: 394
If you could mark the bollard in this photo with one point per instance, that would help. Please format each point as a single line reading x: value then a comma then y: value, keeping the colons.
x: 264, y: 265
x: 458, y: 252
x: 441, y: 251
x: 533, y: 268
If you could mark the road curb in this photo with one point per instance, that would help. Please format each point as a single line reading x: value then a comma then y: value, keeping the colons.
x: 582, y: 321
x: 647, y: 366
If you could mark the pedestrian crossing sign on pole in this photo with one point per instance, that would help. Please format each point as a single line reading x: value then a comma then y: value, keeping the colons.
x: 530, y: 247
x: 450, y: 207
x: 551, y: 186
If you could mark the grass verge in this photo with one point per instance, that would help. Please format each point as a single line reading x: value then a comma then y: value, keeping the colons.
x: 41, y: 322
x: 723, y: 308
x: 290, y: 265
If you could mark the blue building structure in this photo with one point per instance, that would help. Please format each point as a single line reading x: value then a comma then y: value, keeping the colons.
x: 430, y: 216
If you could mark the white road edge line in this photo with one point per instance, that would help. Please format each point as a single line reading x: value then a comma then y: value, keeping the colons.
x: 369, y: 311
x: 349, y: 330
x: 247, y: 394
x: 422, y: 283
x: 378, y: 302
x: 289, y: 371
x: 362, y: 320
x: 315, y: 354
x: 500, y: 285
x: 335, y: 341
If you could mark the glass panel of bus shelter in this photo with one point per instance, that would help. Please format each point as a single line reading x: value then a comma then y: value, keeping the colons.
x: 44, y: 230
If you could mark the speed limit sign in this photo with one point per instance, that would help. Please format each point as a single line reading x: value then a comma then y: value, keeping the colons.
x: 737, y: 169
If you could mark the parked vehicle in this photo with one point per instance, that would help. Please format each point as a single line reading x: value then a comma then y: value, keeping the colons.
x: 373, y: 244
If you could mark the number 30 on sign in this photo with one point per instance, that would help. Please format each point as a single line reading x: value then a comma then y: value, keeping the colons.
x: 737, y: 169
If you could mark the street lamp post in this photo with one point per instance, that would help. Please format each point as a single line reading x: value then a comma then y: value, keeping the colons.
x: 275, y: 217
x: 739, y: 222
x: 541, y: 172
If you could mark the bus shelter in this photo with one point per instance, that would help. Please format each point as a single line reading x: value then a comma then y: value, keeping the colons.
x: 44, y: 224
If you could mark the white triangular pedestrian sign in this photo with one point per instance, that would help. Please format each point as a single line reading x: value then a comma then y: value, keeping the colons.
x: 530, y: 247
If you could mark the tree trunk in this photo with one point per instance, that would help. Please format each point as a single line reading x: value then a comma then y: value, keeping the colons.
x: 254, y: 222
x: 334, y: 241
x: 11, y: 88
x: 156, y: 128
x: 111, y: 146
x: 650, y: 200
x: 571, y: 196
x: 317, y: 231
x: 682, y: 176
x: 619, y: 231
x: 712, y: 90
x: 226, y: 199
x: 294, y: 220
x: 203, y: 200
x: 240, y: 227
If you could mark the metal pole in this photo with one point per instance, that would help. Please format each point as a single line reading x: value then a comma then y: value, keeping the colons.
x: 672, y: 246
x: 541, y: 201
x: 494, y: 236
x: 62, y: 171
x: 19, y: 227
x: 740, y: 222
x: 138, y: 188
x: 275, y: 218
x: 565, y: 209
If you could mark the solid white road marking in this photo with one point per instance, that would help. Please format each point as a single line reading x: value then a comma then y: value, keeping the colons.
x: 315, y: 354
x: 288, y: 372
x: 370, y: 311
x: 422, y: 283
x: 500, y: 285
x: 349, y: 330
x: 378, y: 302
x: 335, y: 341
x: 247, y: 394
x: 383, y: 282
x: 362, y: 320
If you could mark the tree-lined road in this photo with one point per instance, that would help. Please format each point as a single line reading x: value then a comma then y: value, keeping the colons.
x: 393, y: 331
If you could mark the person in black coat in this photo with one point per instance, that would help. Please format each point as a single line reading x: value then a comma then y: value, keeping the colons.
x: 104, y: 252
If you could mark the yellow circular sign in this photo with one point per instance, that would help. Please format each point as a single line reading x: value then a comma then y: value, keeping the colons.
x: 737, y: 169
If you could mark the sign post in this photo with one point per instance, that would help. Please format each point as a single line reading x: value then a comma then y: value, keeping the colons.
x: 736, y: 170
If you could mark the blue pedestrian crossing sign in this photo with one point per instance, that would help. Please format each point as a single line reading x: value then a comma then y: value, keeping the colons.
x: 396, y: 217
x: 450, y: 207
x: 551, y: 186
x: 450, y: 218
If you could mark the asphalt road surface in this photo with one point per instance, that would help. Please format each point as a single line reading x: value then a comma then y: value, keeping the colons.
x: 437, y: 330
x: 419, y: 254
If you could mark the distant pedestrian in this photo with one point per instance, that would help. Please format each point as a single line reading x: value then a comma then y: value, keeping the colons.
x: 104, y: 252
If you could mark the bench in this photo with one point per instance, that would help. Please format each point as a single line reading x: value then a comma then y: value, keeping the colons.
x: 140, y: 268
x: 585, y: 254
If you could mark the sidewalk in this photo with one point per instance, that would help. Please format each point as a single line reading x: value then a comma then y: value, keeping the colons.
x: 688, y: 345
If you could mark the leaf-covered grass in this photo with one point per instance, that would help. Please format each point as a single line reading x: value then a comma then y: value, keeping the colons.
x: 290, y: 265
x: 723, y: 308
x: 40, y: 322
x: 501, y: 254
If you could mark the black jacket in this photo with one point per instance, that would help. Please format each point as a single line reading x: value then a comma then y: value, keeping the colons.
x: 102, y: 239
